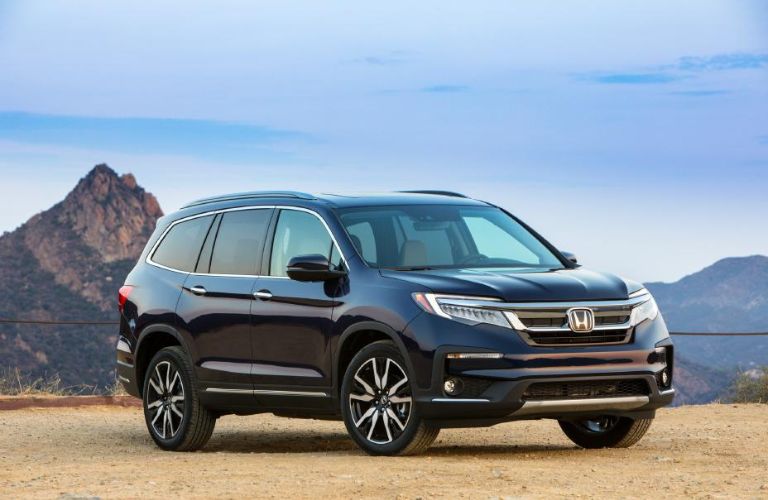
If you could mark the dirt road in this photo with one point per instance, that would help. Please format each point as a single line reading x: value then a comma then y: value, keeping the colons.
x: 717, y: 451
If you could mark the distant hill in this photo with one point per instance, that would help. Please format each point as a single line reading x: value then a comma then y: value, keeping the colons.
x: 67, y: 263
x: 731, y: 295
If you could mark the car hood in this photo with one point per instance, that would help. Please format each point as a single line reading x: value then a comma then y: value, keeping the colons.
x: 520, y: 284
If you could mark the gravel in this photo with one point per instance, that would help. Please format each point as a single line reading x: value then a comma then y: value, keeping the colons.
x: 105, y: 452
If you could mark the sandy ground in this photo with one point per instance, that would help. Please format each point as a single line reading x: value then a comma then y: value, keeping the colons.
x: 716, y: 451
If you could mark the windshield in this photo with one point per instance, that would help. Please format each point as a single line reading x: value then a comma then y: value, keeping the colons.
x: 440, y: 236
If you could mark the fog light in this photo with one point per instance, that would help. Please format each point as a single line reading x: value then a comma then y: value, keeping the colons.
x: 665, y: 377
x: 452, y: 386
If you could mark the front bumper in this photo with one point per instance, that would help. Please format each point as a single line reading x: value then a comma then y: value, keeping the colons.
x: 496, y: 389
x: 505, y: 401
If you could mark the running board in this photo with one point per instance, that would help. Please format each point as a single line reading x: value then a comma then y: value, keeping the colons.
x: 580, y: 405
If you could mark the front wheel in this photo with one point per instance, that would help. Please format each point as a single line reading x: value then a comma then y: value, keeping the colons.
x: 377, y: 404
x: 606, y: 431
x: 175, y: 418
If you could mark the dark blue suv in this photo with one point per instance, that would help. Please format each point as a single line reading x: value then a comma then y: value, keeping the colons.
x: 400, y: 313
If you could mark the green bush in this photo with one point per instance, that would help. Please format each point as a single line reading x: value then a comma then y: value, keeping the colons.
x: 751, y: 387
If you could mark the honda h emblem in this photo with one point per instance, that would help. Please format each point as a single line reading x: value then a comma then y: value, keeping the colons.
x: 581, y: 320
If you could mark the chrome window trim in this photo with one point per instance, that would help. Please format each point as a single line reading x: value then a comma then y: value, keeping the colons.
x: 149, y: 260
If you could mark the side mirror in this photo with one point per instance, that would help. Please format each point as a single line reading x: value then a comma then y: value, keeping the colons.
x: 312, y: 268
x: 570, y: 256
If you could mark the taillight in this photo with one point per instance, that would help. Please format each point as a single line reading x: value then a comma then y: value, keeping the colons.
x: 122, y: 297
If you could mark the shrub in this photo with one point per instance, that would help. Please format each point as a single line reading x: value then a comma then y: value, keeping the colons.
x: 751, y: 387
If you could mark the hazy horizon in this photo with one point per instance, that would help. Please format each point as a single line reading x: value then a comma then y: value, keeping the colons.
x: 634, y: 135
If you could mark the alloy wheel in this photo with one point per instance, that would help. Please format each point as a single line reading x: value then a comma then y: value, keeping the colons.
x: 380, y: 400
x: 165, y: 396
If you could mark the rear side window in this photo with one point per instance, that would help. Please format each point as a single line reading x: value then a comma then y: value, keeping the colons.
x: 180, y: 247
x: 239, y: 242
x: 297, y: 233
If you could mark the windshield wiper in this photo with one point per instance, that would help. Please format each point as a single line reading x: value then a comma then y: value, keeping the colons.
x: 412, y: 268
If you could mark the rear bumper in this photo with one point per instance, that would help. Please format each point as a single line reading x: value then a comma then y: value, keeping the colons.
x: 125, y: 367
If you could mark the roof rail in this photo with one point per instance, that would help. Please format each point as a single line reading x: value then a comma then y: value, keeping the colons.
x: 251, y: 194
x: 437, y: 192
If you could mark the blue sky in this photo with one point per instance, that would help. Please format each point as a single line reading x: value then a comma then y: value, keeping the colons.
x: 635, y: 134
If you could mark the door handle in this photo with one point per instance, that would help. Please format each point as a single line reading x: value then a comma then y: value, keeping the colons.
x: 263, y: 294
x: 198, y: 290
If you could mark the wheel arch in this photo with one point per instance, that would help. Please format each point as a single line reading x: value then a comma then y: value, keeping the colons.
x: 357, y: 336
x: 151, y: 340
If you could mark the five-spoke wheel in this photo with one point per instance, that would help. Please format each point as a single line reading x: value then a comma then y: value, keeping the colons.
x: 378, y: 406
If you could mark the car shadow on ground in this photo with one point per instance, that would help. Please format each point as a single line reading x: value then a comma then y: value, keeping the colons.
x: 340, y: 442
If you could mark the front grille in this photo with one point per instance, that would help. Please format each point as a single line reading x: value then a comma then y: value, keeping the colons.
x: 586, y: 389
x: 569, y: 338
x: 560, y: 321
x: 547, y: 324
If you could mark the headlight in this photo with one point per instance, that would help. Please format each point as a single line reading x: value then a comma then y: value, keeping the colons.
x: 647, y: 310
x: 468, y: 310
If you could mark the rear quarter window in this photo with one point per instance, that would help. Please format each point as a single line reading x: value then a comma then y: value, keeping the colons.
x: 180, y: 247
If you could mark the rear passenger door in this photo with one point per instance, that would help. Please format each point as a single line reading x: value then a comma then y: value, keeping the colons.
x: 216, y: 299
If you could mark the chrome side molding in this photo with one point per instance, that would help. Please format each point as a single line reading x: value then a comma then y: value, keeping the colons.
x: 267, y: 392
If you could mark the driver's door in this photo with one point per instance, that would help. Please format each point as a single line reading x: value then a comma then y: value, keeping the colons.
x: 293, y: 320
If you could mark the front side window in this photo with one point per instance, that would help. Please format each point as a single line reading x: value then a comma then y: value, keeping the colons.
x: 239, y: 242
x: 297, y: 233
x: 180, y: 247
x: 443, y: 236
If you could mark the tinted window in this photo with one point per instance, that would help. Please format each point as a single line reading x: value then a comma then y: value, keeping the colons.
x: 495, y: 243
x: 239, y: 242
x: 362, y: 237
x: 442, y: 236
x: 297, y: 233
x: 180, y: 247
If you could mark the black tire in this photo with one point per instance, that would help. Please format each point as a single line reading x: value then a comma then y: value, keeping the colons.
x: 606, y: 432
x: 387, y: 437
x: 189, y: 424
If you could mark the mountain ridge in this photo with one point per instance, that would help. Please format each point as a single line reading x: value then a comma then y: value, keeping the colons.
x: 66, y: 263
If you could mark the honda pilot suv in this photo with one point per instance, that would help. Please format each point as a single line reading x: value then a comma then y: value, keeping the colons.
x: 400, y: 314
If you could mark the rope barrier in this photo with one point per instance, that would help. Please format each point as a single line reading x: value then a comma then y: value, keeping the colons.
x: 112, y: 323
x: 45, y: 322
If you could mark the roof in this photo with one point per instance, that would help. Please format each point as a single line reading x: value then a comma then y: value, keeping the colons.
x: 424, y: 197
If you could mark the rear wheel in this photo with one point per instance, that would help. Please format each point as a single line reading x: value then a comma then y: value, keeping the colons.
x: 606, y: 431
x: 377, y: 404
x: 175, y: 418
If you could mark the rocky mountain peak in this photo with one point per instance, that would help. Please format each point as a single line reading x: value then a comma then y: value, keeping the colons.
x: 106, y: 219
x: 112, y: 214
